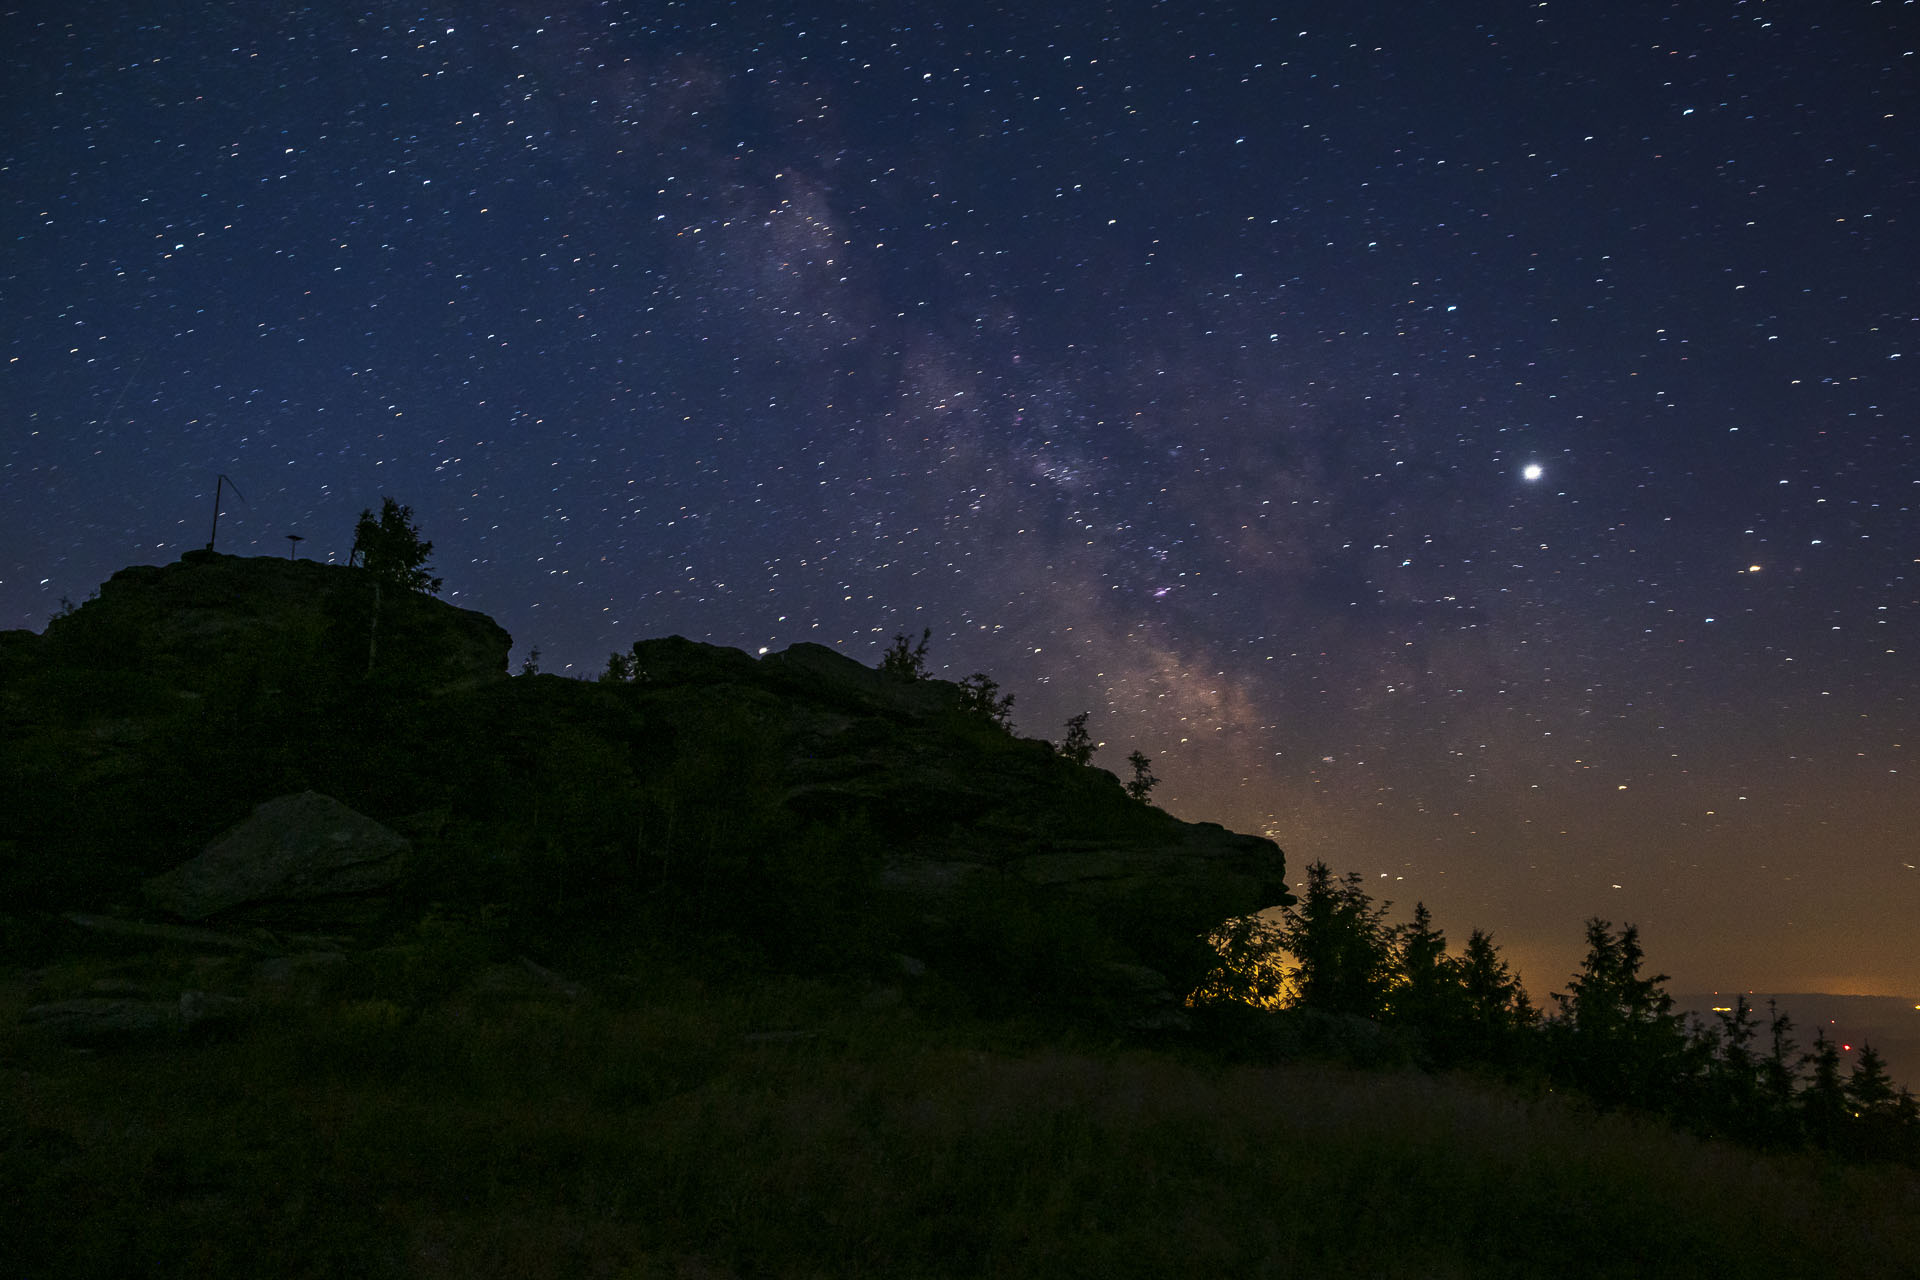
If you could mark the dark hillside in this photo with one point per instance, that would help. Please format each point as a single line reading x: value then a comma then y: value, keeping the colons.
x: 826, y: 811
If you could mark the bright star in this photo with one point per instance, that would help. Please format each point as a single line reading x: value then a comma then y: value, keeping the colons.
x: 1532, y: 471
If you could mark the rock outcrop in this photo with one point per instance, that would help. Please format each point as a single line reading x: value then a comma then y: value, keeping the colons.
x: 306, y: 849
x: 164, y: 709
x: 210, y: 617
x: 819, y: 806
x: 968, y: 826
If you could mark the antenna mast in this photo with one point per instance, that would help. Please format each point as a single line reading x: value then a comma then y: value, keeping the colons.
x: 217, y: 485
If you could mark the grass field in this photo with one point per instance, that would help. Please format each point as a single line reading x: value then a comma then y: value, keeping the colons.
x: 388, y: 1125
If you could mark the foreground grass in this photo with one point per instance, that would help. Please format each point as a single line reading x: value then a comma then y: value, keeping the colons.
x: 781, y: 1129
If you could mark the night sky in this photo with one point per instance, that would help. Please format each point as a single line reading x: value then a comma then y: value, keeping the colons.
x: 1473, y: 444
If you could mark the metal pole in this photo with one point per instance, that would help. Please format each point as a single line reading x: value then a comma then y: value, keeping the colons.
x: 217, y: 484
x: 215, y: 534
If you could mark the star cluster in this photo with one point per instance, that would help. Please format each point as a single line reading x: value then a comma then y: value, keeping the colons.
x: 1472, y: 445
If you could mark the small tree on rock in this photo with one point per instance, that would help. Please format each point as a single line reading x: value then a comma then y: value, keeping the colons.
x: 980, y: 694
x: 390, y: 548
x: 1143, y: 781
x: 907, y: 661
x: 1078, y: 745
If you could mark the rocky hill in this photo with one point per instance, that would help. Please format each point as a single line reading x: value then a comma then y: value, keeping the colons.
x: 817, y: 811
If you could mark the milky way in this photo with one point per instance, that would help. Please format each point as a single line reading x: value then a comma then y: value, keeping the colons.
x: 1187, y: 366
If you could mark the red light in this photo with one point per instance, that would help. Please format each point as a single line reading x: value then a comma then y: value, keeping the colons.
x: 1847, y: 1047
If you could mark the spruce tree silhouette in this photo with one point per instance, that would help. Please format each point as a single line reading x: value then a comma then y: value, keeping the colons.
x: 1619, y: 1037
x: 1343, y: 945
x: 1078, y: 744
x: 390, y: 549
x: 1143, y: 782
x: 907, y: 661
x: 1496, y: 1008
x: 1429, y: 988
x: 1779, y: 1074
x: 1869, y: 1088
x: 1823, y: 1099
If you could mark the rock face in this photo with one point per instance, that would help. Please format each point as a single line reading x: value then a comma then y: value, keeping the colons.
x: 983, y: 840
x: 297, y: 848
x: 164, y: 709
x: 818, y: 674
x: 815, y: 806
x: 193, y: 622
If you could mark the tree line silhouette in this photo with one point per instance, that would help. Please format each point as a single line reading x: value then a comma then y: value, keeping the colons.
x: 1333, y: 964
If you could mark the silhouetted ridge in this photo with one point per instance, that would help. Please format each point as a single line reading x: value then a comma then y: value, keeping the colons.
x: 827, y: 812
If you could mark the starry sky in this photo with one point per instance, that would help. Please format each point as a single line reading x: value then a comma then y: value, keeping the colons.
x: 1472, y: 443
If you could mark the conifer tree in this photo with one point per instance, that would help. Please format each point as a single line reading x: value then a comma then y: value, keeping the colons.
x: 1737, y: 1062
x: 980, y: 694
x: 1869, y: 1088
x: 1343, y: 945
x: 1618, y: 1034
x: 1494, y: 1006
x: 390, y: 550
x: 1823, y: 1101
x: 1143, y: 781
x: 1494, y: 997
x: 1736, y: 1096
x: 1429, y: 995
x: 906, y: 661
x: 1778, y: 1074
x: 1078, y: 744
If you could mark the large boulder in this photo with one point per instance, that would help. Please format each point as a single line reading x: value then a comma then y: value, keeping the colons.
x: 678, y: 660
x: 294, y: 849
x: 814, y: 673
x: 209, y: 619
